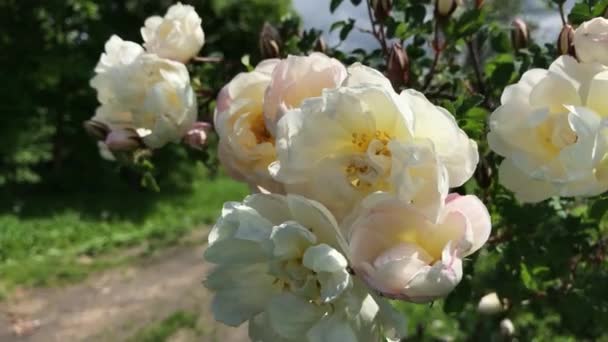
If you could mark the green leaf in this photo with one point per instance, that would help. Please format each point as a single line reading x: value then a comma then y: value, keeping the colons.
x: 500, y: 41
x: 598, y: 209
x: 334, y: 4
x: 469, y: 23
x: 149, y: 182
x: 336, y: 25
x: 466, y: 103
x: 580, y: 12
x: 526, y: 277
x: 401, y: 31
x: 502, y: 74
x: 346, y: 29
x: 416, y: 14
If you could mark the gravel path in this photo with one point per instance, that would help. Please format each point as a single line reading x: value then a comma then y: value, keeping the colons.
x: 114, y: 305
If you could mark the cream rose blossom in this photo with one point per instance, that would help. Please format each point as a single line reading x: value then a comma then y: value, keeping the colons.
x: 246, y: 147
x: 281, y: 266
x: 406, y: 254
x: 113, y: 67
x: 355, y: 140
x: 455, y: 149
x: 591, y: 41
x: 177, y: 36
x: 297, y: 78
x: 151, y: 95
x: 551, y: 130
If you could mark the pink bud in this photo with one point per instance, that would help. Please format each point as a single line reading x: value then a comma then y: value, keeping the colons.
x: 270, y: 41
x: 565, y: 41
x: 123, y: 140
x: 445, y: 8
x: 197, y: 135
x: 96, y: 129
x: 519, y: 34
x: 382, y: 9
x: 398, y: 68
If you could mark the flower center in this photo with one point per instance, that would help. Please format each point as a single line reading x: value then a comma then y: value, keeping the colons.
x: 363, y: 140
x: 258, y: 128
x: 364, y: 171
x: 556, y: 134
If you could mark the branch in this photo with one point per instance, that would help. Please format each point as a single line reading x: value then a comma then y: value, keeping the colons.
x: 379, y: 37
x: 477, y: 68
x: 437, y: 49
x: 208, y: 59
x: 562, y: 14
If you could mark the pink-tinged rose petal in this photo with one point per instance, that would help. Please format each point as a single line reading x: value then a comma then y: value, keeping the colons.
x: 403, y: 254
x: 297, y: 78
x: 478, y: 217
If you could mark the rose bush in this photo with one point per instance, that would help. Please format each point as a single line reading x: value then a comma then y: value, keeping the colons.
x: 380, y: 170
x: 177, y: 36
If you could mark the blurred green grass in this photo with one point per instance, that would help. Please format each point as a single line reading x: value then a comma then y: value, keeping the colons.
x: 53, y: 239
x: 161, y: 331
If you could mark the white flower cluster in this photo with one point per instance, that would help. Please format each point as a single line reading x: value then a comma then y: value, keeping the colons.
x: 552, y: 127
x: 353, y: 200
x: 146, y: 95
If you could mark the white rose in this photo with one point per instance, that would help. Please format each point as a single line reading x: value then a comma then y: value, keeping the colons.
x: 144, y: 92
x: 550, y: 129
x: 591, y: 41
x: 455, y: 149
x: 353, y: 141
x: 177, y: 36
x: 246, y: 147
x: 405, y: 254
x: 281, y: 266
x: 297, y: 78
x: 113, y: 65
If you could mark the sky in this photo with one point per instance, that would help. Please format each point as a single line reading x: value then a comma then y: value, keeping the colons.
x: 315, y: 14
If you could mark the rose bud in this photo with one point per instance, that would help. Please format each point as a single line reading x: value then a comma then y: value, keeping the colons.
x: 320, y: 45
x: 519, y: 34
x: 565, y: 41
x: 506, y: 327
x: 96, y: 129
x: 398, y: 68
x: 479, y: 4
x: 197, y: 135
x: 123, y: 140
x: 489, y: 304
x: 382, y: 9
x: 270, y: 42
x: 445, y: 8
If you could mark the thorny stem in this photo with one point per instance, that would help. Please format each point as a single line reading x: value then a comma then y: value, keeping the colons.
x: 562, y: 14
x: 380, y: 37
x: 437, y: 49
x: 477, y: 68
x: 208, y: 59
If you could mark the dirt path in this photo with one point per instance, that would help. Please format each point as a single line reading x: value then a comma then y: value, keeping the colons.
x: 114, y: 305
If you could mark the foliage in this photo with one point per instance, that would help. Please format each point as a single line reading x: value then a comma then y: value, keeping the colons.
x: 546, y: 260
x: 170, y: 325
x: 53, y: 47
